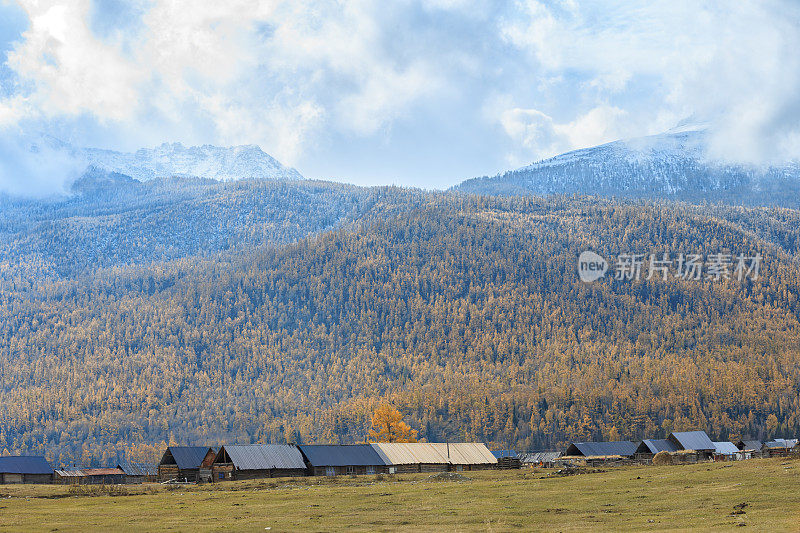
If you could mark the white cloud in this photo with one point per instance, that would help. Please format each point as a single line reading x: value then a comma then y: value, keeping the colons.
x: 733, y: 64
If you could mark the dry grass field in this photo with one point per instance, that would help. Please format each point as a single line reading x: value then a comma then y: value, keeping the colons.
x: 762, y: 495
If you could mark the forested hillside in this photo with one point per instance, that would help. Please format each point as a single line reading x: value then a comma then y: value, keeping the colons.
x: 322, y: 300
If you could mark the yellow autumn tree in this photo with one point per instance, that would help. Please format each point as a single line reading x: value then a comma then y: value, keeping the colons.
x: 388, y: 426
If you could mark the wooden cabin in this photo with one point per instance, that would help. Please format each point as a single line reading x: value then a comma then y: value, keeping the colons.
x: 253, y: 461
x: 548, y: 459
x: 342, y: 459
x: 648, y: 449
x: 190, y: 464
x: 507, y: 459
x: 90, y: 476
x: 139, y: 472
x: 25, y: 469
x: 697, y: 442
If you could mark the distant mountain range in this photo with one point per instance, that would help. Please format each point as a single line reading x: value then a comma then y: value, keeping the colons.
x: 175, y: 159
x: 671, y: 165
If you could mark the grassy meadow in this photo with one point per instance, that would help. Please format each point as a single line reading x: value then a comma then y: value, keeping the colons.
x: 758, y: 494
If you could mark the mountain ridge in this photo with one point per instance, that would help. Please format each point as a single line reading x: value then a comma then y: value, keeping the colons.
x: 673, y: 165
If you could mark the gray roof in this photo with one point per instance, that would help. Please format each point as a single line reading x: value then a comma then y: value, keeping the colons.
x: 342, y: 455
x: 539, y: 457
x: 693, y: 440
x: 656, y: 445
x: 456, y: 453
x: 752, y: 445
x: 263, y: 456
x: 187, y: 457
x: 24, y: 464
x: 725, y: 448
x: 625, y: 448
x: 781, y: 443
x: 138, y: 469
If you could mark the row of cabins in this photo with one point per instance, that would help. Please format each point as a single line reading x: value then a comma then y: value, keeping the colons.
x: 251, y: 461
x: 682, y: 446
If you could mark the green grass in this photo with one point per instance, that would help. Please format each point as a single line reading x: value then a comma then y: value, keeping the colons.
x: 631, y: 498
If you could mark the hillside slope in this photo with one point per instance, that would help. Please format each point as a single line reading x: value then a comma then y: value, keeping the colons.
x: 466, y: 312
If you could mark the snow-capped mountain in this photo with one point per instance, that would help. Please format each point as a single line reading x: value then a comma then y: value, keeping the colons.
x: 671, y: 165
x: 175, y: 159
x: 205, y: 161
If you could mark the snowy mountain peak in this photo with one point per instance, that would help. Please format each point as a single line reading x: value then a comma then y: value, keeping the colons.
x: 206, y: 161
x: 670, y: 165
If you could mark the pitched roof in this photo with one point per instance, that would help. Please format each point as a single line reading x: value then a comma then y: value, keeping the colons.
x: 624, y: 448
x: 693, y: 440
x: 752, y: 445
x: 656, y: 445
x: 781, y: 443
x: 539, y: 457
x: 457, y: 453
x: 502, y: 454
x: 84, y: 472
x: 138, y: 469
x: 465, y: 453
x: 341, y: 455
x: 24, y: 464
x: 725, y: 448
x: 187, y: 457
x: 262, y: 456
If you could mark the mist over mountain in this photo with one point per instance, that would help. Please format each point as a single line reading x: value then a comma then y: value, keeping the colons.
x: 672, y: 165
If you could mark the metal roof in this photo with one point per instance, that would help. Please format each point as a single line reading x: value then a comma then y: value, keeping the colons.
x: 84, y: 472
x: 693, y: 440
x: 138, y: 469
x: 465, y: 453
x: 502, y: 454
x: 263, y: 456
x: 781, y: 443
x: 457, y: 453
x: 342, y: 455
x: 751, y: 445
x: 187, y: 457
x: 624, y: 448
x: 656, y: 445
x: 539, y: 457
x: 725, y: 448
x: 24, y: 464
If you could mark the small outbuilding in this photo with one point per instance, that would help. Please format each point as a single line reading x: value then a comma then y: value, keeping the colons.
x: 342, y: 459
x: 752, y: 447
x: 25, y: 469
x: 614, y: 451
x: 139, y: 472
x: 778, y: 447
x: 648, y: 448
x: 507, y: 459
x: 726, y: 451
x: 253, y: 461
x: 540, y: 459
x: 90, y: 476
x: 186, y: 463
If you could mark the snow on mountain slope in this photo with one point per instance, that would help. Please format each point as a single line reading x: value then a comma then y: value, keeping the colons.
x: 671, y: 165
x: 175, y: 159
x: 205, y: 161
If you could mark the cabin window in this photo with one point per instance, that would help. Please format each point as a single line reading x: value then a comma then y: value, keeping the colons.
x: 392, y: 469
x: 351, y: 470
x: 222, y: 475
x: 459, y: 468
x: 370, y: 470
x: 330, y: 471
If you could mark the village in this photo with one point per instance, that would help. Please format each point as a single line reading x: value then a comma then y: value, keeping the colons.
x: 207, y: 464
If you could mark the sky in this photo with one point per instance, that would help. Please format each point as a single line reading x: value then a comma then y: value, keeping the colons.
x: 416, y: 93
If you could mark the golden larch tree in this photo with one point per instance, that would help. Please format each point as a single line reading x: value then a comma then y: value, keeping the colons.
x: 388, y: 426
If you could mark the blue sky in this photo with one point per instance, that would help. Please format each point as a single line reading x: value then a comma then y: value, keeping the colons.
x: 415, y: 93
